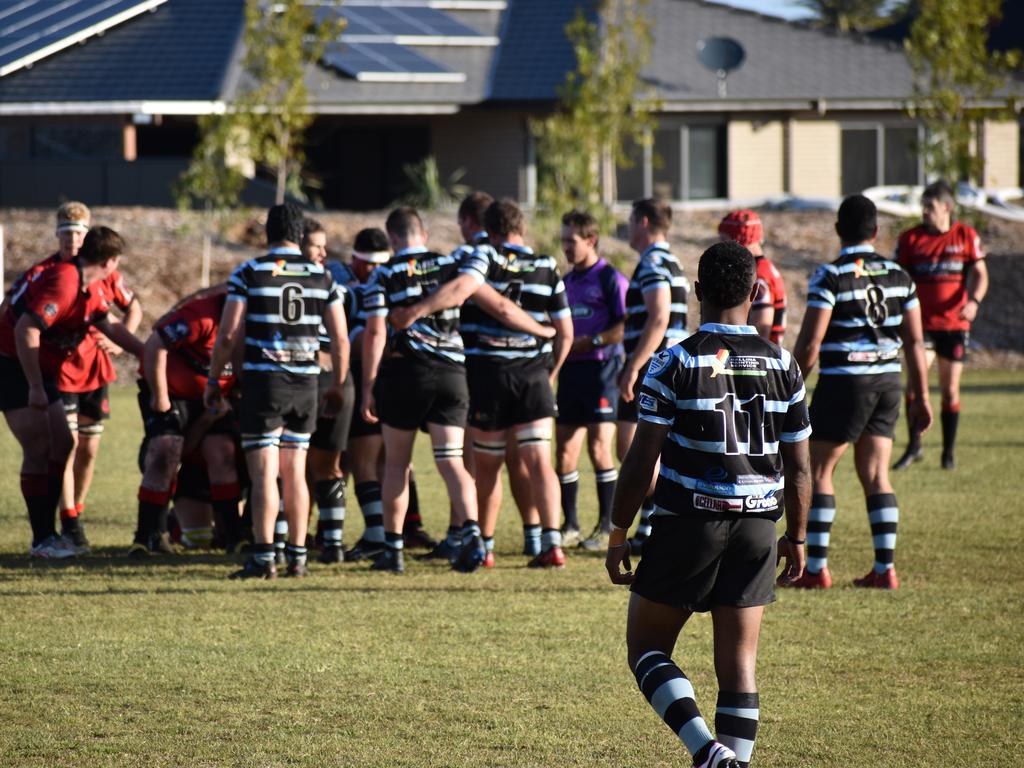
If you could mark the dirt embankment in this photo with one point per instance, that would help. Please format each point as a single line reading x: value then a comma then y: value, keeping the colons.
x: 163, y: 262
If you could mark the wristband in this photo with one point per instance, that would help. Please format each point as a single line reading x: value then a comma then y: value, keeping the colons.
x: 596, y: 340
x: 791, y: 540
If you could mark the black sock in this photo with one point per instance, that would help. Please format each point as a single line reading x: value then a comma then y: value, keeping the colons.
x: 36, y: 493
x: 570, y: 484
x: 152, y: 520
x: 606, y: 479
x: 950, y: 421
x: 394, y: 541
x: 224, y: 500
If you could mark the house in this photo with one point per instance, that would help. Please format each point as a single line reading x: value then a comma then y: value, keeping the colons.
x: 103, y: 105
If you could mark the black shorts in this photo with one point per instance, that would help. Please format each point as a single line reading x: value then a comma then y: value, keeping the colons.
x: 411, y: 392
x: 183, y: 414
x: 588, y: 391
x: 272, y: 401
x: 360, y: 427
x: 505, y: 393
x: 93, y: 405
x: 331, y: 433
x: 628, y: 411
x: 697, y: 564
x: 193, y: 481
x: 844, y: 408
x: 950, y: 345
x: 14, y: 392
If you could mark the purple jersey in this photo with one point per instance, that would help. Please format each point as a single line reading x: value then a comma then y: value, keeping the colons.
x: 597, y: 299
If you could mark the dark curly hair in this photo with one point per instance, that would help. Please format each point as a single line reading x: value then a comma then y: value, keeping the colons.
x: 285, y: 223
x: 726, y: 273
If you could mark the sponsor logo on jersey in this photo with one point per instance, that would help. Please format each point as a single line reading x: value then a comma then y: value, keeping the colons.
x: 859, y: 270
x: 50, y: 310
x: 727, y: 365
x: 716, y: 503
x: 648, y: 403
x: 761, y: 503
x: 660, y: 362
x: 281, y: 270
x: 718, y: 363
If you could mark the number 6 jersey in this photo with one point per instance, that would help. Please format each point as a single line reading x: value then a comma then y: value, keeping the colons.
x: 286, y: 297
x: 730, y: 398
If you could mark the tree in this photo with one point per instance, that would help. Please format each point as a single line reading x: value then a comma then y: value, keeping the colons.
x: 956, y: 79
x: 847, y: 15
x: 602, y: 106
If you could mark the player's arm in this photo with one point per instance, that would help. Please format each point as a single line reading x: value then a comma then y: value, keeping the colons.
x: 796, y: 463
x: 121, y: 336
x: 630, y: 490
x: 27, y: 334
x: 808, y: 342
x: 562, y: 343
x: 977, y: 287
x: 374, y: 340
x: 337, y: 330
x: 451, y: 294
x: 228, y: 332
x: 510, y: 314
x: 154, y: 369
x: 917, y: 367
x: 657, y: 302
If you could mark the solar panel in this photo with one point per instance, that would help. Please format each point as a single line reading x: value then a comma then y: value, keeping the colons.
x: 31, y: 30
x: 387, y: 63
x: 408, y: 26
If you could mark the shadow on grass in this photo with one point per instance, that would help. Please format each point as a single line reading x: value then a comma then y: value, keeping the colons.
x: 1007, y: 388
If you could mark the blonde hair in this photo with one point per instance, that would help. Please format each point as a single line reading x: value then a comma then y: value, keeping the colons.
x: 73, y: 213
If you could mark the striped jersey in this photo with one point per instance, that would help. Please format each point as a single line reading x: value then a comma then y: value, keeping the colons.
x: 730, y: 398
x: 528, y: 279
x: 411, y: 275
x: 867, y: 295
x: 345, y: 279
x: 286, y: 296
x: 657, y: 269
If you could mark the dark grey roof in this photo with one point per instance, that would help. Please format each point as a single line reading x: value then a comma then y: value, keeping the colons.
x: 179, y: 52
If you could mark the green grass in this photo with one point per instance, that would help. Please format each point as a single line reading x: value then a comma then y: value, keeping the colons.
x: 105, y: 662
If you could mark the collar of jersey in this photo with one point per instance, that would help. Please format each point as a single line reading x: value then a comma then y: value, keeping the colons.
x: 284, y: 252
x: 661, y: 245
x: 862, y: 248
x: 481, y: 236
x: 523, y: 249
x: 735, y: 330
x: 412, y: 250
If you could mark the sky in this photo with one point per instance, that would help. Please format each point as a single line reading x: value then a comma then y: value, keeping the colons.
x: 783, y: 8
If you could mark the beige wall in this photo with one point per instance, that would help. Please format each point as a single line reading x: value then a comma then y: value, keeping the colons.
x: 814, y: 158
x: 491, y: 147
x: 756, y: 158
x: 1001, y: 154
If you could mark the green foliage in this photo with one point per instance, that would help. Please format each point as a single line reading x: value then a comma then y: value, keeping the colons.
x: 427, y: 190
x: 847, y: 15
x: 212, y: 177
x: 956, y: 78
x: 604, y: 105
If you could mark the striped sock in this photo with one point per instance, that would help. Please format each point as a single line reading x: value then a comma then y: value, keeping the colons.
x: 550, y: 538
x: 295, y: 554
x: 570, y: 483
x: 394, y: 541
x: 605, y: 492
x: 489, y: 543
x: 330, y: 504
x: 470, y: 528
x: 369, y: 498
x: 670, y: 694
x: 643, y: 529
x: 453, y: 536
x: 884, y: 516
x: 819, y: 530
x: 263, y: 554
x: 736, y: 723
x: 280, y: 531
x: 531, y: 540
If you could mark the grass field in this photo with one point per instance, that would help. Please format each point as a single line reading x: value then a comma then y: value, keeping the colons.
x: 106, y: 662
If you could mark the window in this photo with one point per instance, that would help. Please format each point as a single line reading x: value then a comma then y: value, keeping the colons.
x: 685, y: 162
x: 875, y: 154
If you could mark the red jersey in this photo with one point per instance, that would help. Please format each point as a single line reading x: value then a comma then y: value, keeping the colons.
x: 771, y: 292
x: 63, y: 308
x: 189, y: 333
x: 939, y: 263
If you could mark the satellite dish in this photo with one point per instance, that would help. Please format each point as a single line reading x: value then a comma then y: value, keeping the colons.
x: 721, y: 55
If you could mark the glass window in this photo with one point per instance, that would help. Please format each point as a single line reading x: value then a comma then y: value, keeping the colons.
x: 901, y: 155
x: 668, y: 164
x: 630, y: 181
x: 86, y: 142
x: 859, y: 160
x: 707, y: 162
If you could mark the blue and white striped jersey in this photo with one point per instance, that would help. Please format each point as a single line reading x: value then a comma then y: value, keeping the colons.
x: 731, y: 398
x: 285, y: 297
x: 530, y: 280
x: 867, y: 295
x: 347, y: 283
x: 412, y: 274
x: 657, y: 269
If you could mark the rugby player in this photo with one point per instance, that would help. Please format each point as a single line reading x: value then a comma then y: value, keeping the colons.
x: 861, y: 309
x: 726, y: 411
x: 655, y: 319
x: 587, y: 388
x: 768, y: 312
x: 175, y: 370
x: 42, y: 325
x: 947, y: 262
x: 279, y: 302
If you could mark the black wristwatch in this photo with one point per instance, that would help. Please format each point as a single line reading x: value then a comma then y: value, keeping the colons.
x: 791, y: 540
x: 596, y: 340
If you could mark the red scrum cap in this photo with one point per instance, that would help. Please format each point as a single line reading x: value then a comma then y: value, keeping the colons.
x: 743, y: 226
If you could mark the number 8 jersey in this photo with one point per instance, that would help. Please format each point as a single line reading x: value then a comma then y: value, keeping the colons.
x: 285, y: 298
x: 730, y: 398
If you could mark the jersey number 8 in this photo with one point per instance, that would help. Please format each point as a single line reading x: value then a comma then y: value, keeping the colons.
x: 292, y: 308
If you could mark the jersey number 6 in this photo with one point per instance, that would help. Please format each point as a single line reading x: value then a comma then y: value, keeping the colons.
x: 292, y: 308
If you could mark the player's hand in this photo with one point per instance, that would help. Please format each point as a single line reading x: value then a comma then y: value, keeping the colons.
x: 402, y: 317
x: 921, y: 414
x: 108, y: 346
x: 969, y: 311
x: 212, y: 397
x: 369, y: 412
x: 795, y: 557
x: 333, y: 399
x: 618, y: 555
x: 627, y: 380
x: 37, y: 398
x: 547, y: 333
x: 160, y: 405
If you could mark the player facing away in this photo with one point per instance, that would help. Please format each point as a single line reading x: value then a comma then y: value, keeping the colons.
x: 655, y: 319
x: 42, y: 325
x: 726, y: 411
x: 587, y: 384
x: 768, y: 312
x: 947, y: 262
x: 279, y: 301
x: 861, y: 309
